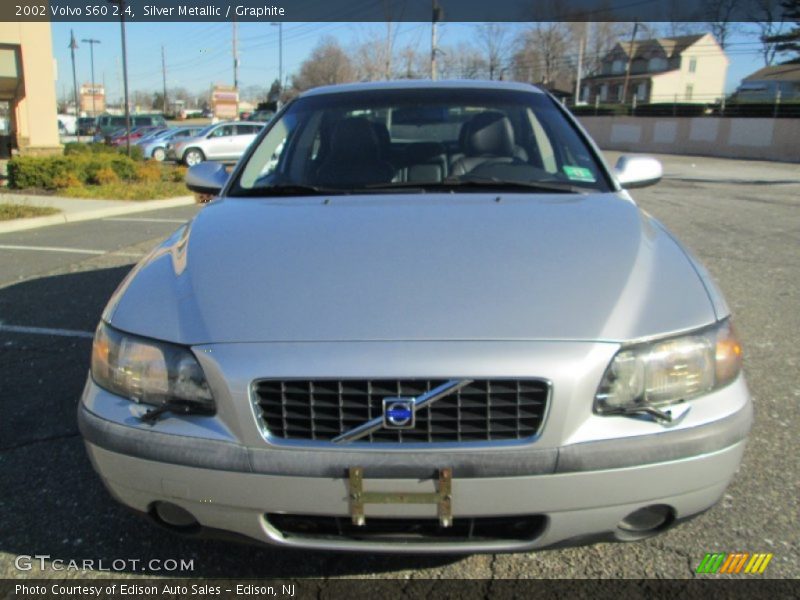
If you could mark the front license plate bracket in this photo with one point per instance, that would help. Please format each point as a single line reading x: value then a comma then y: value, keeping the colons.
x: 442, y: 497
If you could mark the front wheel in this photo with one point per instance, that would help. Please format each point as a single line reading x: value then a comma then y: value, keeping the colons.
x: 193, y: 157
x: 159, y: 154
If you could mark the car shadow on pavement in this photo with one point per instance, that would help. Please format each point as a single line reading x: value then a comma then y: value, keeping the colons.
x: 54, y: 504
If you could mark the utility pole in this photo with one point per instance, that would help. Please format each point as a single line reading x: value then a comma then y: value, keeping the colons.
x: 628, y: 64
x: 279, y: 25
x: 280, y: 55
x: 436, y: 16
x: 235, y: 69
x: 580, y: 71
x: 91, y: 43
x: 73, y: 45
x: 164, y: 103
x: 121, y: 4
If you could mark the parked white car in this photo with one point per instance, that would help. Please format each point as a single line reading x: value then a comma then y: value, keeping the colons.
x: 221, y: 141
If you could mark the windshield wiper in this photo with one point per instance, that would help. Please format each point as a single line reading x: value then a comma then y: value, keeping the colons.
x: 452, y: 183
x: 495, y: 182
x: 289, y: 190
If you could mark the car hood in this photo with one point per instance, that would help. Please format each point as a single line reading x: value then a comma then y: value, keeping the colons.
x: 414, y: 267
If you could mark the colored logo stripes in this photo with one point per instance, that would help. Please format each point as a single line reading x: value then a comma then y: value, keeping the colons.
x: 736, y: 562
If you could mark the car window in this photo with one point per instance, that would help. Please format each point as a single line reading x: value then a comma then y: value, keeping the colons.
x: 247, y: 129
x: 223, y: 131
x: 357, y: 141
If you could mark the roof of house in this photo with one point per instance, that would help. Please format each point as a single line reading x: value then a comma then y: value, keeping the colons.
x: 776, y: 73
x: 672, y: 46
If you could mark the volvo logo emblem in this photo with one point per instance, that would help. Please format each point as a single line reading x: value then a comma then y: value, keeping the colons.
x: 398, y: 413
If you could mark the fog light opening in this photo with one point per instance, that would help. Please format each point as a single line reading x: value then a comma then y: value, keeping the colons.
x: 645, y: 522
x: 173, y: 516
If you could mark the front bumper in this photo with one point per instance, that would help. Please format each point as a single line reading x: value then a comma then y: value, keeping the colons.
x: 579, y: 490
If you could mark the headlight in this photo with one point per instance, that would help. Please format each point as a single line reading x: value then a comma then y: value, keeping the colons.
x: 668, y: 371
x: 148, y: 371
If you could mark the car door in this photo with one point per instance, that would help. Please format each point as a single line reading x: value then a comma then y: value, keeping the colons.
x: 219, y: 144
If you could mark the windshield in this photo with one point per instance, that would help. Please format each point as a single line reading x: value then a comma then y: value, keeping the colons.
x: 420, y: 139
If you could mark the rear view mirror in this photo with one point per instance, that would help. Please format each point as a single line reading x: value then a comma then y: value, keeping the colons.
x: 638, y: 171
x: 207, y: 178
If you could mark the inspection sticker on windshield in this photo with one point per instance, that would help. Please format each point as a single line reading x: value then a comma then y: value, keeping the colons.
x: 578, y: 173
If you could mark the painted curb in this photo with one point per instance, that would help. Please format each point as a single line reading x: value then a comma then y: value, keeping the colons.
x: 89, y: 215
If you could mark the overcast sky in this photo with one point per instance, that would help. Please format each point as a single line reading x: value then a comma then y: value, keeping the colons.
x: 199, y: 54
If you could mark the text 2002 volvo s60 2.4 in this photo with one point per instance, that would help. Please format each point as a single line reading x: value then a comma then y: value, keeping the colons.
x: 419, y: 317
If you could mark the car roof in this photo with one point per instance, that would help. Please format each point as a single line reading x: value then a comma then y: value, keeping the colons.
x: 422, y: 84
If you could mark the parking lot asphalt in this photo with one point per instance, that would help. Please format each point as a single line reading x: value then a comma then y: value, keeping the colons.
x: 742, y: 219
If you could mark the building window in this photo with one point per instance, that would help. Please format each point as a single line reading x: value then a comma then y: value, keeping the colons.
x: 641, y: 91
x: 618, y: 66
x: 692, y: 65
x: 657, y: 64
x: 603, y: 92
x: 689, y: 91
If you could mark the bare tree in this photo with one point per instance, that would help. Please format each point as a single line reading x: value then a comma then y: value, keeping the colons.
x: 720, y: 15
x: 768, y: 16
x: 495, y: 41
x: 545, y: 52
x: 411, y: 63
x: 142, y: 100
x: 673, y: 29
x: 327, y: 65
x: 601, y: 39
x: 370, y: 59
x: 373, y: 56
x: 463, y: 61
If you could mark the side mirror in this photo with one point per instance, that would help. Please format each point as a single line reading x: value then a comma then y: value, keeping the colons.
x: 207, y: 178
x: 638, y: 171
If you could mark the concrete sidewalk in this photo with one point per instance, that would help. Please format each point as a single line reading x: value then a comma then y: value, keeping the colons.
x: 77, y: 209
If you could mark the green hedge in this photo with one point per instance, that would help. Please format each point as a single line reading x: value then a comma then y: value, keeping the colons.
x: 73, y: 148
x: 49, y: 172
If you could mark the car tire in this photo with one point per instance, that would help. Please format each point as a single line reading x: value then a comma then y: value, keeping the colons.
x: 193, y: 156
x: 159, y: 154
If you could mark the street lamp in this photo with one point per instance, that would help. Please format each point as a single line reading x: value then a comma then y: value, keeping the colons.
x: 280, y: 60
x: 91, y: 43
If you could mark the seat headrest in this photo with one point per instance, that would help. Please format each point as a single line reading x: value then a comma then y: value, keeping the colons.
x: 354, y: 138
x: 490, y: 133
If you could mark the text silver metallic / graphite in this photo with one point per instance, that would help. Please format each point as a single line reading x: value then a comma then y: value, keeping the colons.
x: 209, y: 10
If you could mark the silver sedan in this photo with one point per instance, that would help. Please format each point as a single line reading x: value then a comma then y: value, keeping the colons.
x: 419, y: 317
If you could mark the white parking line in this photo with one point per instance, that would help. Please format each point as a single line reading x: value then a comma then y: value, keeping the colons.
x: 67, y: 250
x: 146, y: 220
x: 46, y: 331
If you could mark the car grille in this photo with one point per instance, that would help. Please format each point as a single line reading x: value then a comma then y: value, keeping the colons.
x: 482, y: 411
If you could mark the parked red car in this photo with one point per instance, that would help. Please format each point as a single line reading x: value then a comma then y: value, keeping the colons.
x: 136, y: 134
